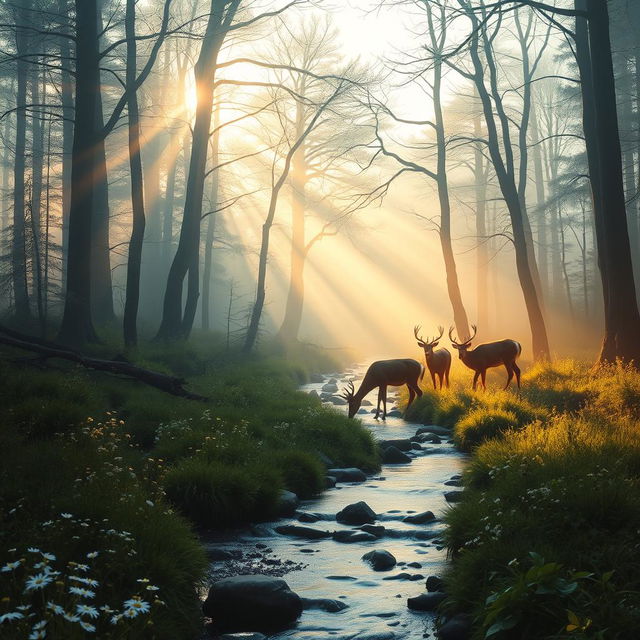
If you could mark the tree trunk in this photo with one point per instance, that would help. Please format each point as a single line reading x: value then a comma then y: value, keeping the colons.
x: 77, y: 327
x: 482, y: 255
x: 102, y: 290
x: 66, y: 98
x: 186, y: 258
x: 18, y: 243
x: 622, y: 321
x: 37, y: 163
x: 134, y: 259
x: 511, y: 196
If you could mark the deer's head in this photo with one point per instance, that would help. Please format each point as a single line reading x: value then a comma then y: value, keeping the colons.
x: 429, y: 344
x: 349, y: 395
x: 463, y: 346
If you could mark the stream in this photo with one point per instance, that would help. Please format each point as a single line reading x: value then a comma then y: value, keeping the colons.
x: 324, y: 568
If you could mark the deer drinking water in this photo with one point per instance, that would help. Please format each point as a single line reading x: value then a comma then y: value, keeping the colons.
x: 487, y: 355
x: 383, y: 374
x: 439, y: 361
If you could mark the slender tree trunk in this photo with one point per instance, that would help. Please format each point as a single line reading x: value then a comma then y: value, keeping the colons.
x: 18, y: 244
x: 295, y: 299
x: 186, y: 258
x: 66, y: 97
x: 211, y: 227
x: 134, y: 260
x: 543, y: 261
x: 509, y: 190
x: 37, y: 162
x: 77, y: 327
x: 622, y: 321
x: 565, y: 272
x: 102, y: 289
x: 482, y: 255
x: 6, y: 170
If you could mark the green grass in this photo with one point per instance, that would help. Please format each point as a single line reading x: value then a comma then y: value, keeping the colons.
x: 544, y: 543
x: 120, y: 456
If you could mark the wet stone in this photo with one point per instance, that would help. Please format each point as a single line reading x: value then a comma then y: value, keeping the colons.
x: 426, y: 601
x: 316, y: 378
x: 304, y: 516
x: 414, y: 565
x: 243, y: 635
x: 394, y: 413
x: 420, y: 518
x: 457, y: 628
x: 330, y: 387
x: 434, y: 429
x: 380, y: 560
x: 453, y: 496
x: 356, y: 513
x: 393, y: 455
x: 435, y: 583
x: 324, y: 604
x: 353, y: 536
x: 219, y: 555
x: 453, y: 483
x: 403, y: 444
x: 374, y: 529
x: 348, y: 475
x: 308, y: 533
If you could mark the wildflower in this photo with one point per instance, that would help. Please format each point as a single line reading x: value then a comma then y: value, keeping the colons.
x: 88, y: 581
x: 115, y: 619
x: 85, y: 610
x: 83, y: 593
x: 33, y: 550
x: 137, y: 604
x: 151, y: 587
x: 37, y: 634
x: 149, y: 503
x: 71, y: 617
x: 66, y: 515
x: 23, y: 607
x: 38, y: 581
x: 12, y: 615
x: 56, y: 608
x: 92, y: 554
x: 10, y: 566
x: 87, y: 627
x: 82, y: 567
x: 48, y: 556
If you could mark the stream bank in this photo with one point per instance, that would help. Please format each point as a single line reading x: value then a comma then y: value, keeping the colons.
x: 328, y: 568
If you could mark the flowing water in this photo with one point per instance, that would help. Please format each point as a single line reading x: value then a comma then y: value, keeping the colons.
x: 377, y: 601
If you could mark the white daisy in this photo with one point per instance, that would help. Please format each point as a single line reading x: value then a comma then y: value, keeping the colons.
x: 86, y: 610
x: 12, y: 615
x: 39, y: 581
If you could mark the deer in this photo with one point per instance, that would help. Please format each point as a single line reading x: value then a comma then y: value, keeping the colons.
x: 383, y: 374
x: 439, y: 361
x: 487, y: 355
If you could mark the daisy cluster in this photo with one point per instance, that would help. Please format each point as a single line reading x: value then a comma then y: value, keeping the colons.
x: 43, y: 595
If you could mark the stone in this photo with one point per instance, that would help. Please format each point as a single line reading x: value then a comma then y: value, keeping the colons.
x: 394, y: 413
x: 219, y: 555
x: 307, y: 533
x: 350, y: 474
x: 304, y: 516
x: 353, y: 536
x: 329, y: 482
x: 288, y: 503
x: 453, y: 496
x: 244, y: 635
x: 251, y: 603
x: 366, y: 403
x: 453, y: 483
x: 435, y: 583
x: 316, y: 378
x: 399, y: 576
x: 338, y: 401
x: 434, y: 429
x: 392, y: 455
x: 356, y: 513
x: 456, y: 628
x: 330, y: 387
x: 314, y: 394
x: 402, y: 444
x: 374, y: 529
x: 420, y: 518
x: 435, y: 440
x: 324, y: 604
x: 426, y: 601
x: 380, y: 560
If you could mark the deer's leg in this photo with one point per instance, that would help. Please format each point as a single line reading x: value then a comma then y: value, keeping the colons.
x: 375, y: 417
x: 509, y: 375
x: 516, y: 368
x: 475, y: 379
x: 383, y: 395
x: 412, y: 394
x: 446, y: 375
x: 483, y: 377
x: 433, y: 379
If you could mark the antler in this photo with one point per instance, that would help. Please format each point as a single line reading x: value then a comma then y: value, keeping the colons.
x: 441, y: 330
x: 467, y: 340
x: 475, y: 330
x: 453, y: 342
x: 349, y: 391
x: 416, y: 330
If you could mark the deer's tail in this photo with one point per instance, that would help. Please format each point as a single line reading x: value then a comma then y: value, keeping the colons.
x: 422, y: 370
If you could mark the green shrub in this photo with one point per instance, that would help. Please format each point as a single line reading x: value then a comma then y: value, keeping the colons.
x: 215, y: 495
x: 483, y: 424
x: 303, y: 473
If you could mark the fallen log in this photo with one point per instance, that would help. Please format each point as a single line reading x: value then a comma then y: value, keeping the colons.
x: 162, y: 381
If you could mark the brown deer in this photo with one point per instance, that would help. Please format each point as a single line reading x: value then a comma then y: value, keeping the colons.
x: 383, y: 374
x: 438, y: 362
x: 490, y: 354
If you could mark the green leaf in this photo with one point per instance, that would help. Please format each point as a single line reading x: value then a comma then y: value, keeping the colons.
x: 508, y: 622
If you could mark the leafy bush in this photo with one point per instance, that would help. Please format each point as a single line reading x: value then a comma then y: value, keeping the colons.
x: 218, y: 495
x: 482, y: 424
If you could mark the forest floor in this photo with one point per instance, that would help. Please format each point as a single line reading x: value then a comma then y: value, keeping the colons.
x: 105, y: 482
x: 545, y: 542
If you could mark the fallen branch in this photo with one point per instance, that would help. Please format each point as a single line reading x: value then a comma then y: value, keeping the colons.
x: 164, y: 382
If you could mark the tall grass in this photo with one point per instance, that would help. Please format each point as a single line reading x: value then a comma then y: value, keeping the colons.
x: 544, y: 543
